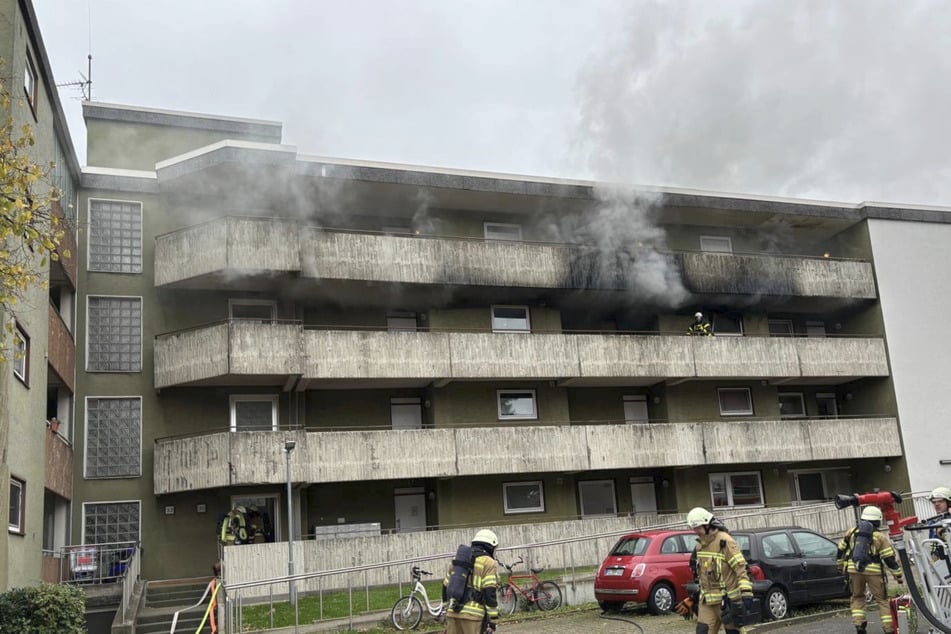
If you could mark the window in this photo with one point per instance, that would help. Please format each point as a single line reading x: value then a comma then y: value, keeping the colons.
x: 110, y: 522
x: 21, y: 354
x: 511, y: 319
x: 780, y: 327
x: 597, y: 498
x: 263, y: 310
x: 113, y: 437
x: 820, y: 485
x: 736, y: 489
x: 778, y: 545
x: 635, y: 409
x: 812, y: 545
x: 815, y: 329
x: 727, y: 326
x: 254, y: 413
x: 17, y: 504
x: 502, y: 231
x: 30, y: 81
x: 674, y: 545
x: 115, y: 236
x: 791, y: 405
x: 735, y: 401
x: 523, y: 497
x: 826, y: 405
x: 517, y: 405
x: 716, y: 244
x: 113, y: 334
x: 401, y: 322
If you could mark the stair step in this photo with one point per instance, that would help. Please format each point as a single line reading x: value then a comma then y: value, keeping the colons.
x: 184, y: 625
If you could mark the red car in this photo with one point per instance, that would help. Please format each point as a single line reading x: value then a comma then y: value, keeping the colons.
x: 649, y: 567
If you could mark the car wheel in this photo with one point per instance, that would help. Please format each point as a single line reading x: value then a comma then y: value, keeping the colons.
x: 611, y: 606
x: 776, y: 604
x: 661, y: 599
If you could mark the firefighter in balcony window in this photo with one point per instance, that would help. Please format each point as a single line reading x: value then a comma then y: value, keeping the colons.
x: 700, y: 326
x: 861, y: 554
x: 726, y: 592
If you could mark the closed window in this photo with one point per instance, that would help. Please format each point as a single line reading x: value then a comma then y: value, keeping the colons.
x: 502, y: 231
x: 735, y: 401
x: 21, y: 354
x: 113, y: 437
x: 511, y: 319
x: 254, y: 413
x: 523, y: 497
x: 736, y: 489
x: 597, y: 498
x: 517, y: 405
x: 114, y: 334
x: 30, y: 81
x: 17, y: 504
x: 812, y: 545
x: 111, y: 522
x: 115, y: 236
x: 791, y: 405
x: 815, y: 329
x: 635, y: 409
x: 716, y: 244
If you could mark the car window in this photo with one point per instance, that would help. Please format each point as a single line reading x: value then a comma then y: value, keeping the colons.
x: 743, y: 541
x: 671, y: 546
x: 630, y: 546
x: 777, y: 546
x: 812, y: 545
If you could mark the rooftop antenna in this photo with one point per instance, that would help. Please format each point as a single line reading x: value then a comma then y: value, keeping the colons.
x: 85, y: 86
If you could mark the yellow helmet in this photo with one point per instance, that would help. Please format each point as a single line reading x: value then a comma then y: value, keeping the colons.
x: 485, y: 536
x: 941, y: 493
x: 872, y: 514
x: 699, y: 517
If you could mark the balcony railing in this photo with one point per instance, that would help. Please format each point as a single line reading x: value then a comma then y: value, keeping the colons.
x: 59, y: 465
x: 220, y: 353
x: 211, y: 255
x: 62, y: 349
x: 223, y: 459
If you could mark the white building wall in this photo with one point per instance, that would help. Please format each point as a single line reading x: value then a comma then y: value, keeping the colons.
x: 913, y: 264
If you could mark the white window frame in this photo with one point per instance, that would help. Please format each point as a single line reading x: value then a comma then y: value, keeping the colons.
x: 251, y: 302
x: 749, y: 398
x: 528, y: 318
x: 583, y: 483
x: 30, y: 81
x: 141, y: 334
x: 82, y: 526
x: 86, y: 438
x: 259, y: 398
x: 729, y: 475
x: 540, y: 508
x: 802, y: 404
x: 20, y: 487
x: 790, y: 331
x: 21, y: 354
x: 141, y: 232
x: 707, y: 244
x: 498, y: 402
x: 489, y: 227
x: 717, y: 332
x: 833, y: 397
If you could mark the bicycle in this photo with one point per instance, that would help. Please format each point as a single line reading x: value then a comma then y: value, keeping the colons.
x: 545, y: 594
x: 407, y: 612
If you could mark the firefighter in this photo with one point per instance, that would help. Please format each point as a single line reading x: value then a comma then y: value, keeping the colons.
x: 726, y: 592
x: 700, y: 326
x: 940, y: 498
x: 480, y: 614
x: 863, y: 563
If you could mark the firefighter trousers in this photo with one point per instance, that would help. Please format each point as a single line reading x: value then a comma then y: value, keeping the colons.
x: 858, y: 582
x: 457, y: 625
x: 709, y: 620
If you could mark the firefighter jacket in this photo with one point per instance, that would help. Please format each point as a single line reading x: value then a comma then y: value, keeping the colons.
x: 700, y: 328
x: 483, y: 585
x: 721, y: 569
x: 879, y: 551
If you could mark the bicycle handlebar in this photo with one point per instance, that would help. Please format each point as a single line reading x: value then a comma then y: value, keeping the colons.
x: 417, y: 571
x: 509, y: 567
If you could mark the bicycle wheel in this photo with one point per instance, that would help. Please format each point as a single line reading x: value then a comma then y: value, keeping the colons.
x: 508, y: 600
x: 548, y: 595
x: 406, y: 614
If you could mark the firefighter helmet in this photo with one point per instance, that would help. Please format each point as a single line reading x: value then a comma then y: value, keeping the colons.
x: 699, y: 517
x: 872, y: 514
x: 941, y: 493
x: 698, y: 315
x: 485, y: 536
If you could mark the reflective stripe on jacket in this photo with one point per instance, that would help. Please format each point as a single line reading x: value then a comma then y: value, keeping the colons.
x: 880, y: 551
x: 721, y: 568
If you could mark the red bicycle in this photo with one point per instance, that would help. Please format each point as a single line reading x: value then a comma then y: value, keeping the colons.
x: 527, y: 589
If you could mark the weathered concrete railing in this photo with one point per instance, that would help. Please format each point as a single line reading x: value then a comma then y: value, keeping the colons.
x: 221, y: 459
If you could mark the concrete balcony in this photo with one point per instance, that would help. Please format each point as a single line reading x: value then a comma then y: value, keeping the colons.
x: 223, y: 459
x: 228, y: 353
x: 62, y: 350
x: 215, y: 254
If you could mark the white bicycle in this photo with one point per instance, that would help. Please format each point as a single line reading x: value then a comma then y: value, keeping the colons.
x: 407, y: 612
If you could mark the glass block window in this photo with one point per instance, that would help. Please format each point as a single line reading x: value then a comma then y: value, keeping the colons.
x: 113, y: 437
x: 114, y: 334
x: 115, y: 236
x: 110, y: 522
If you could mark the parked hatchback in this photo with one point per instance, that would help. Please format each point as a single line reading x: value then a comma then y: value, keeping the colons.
x: 651, y: 567
x: 798, y: 567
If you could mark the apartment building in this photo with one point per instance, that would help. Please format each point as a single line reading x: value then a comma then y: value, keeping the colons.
x: 450, y: 349
x: 38, y: 379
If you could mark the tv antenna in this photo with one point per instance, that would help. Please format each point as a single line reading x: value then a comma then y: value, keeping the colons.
x: 85, y: 86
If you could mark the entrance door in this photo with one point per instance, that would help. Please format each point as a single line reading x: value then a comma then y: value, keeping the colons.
x: 635, y: 409
x: 642, y: 495
x: 405, y: 413
x: 410, y: 505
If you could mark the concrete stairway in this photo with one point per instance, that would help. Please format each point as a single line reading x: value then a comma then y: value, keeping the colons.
x: 164, y: 598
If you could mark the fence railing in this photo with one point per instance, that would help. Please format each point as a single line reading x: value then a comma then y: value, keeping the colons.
x: 97, y: 563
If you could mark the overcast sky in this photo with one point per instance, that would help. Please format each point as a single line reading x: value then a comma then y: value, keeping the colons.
x: 846, y: 100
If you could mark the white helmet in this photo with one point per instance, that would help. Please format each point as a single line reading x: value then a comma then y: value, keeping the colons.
x: 698, y: 315
x: 699, y: 517
x: 872, y: 514
x: 485, y: 536
x: 941, y: 493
